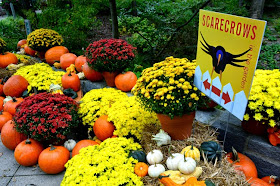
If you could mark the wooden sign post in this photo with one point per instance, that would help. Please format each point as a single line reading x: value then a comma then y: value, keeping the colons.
x: 13, y: 10
x: 27, y: 27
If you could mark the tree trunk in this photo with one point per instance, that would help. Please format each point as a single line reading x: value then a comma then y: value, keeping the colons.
x: 257, y: 9
x: 114, y: 17
x: 240, y: 3
x: 134, y: 9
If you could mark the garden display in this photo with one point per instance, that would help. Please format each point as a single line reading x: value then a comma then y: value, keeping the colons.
x: 141, y: 132
x: 124, y: 138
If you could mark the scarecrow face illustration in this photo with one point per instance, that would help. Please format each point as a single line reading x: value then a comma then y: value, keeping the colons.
x: 220, y: 58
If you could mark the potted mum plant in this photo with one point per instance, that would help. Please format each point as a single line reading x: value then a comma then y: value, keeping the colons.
x: 167, y: 89
x: 43, y: 39
x: 263, y: 109
x: 109, y: 56
x: 47, y: 117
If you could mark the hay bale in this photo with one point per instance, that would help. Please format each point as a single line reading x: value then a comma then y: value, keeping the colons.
x: 221, y: 173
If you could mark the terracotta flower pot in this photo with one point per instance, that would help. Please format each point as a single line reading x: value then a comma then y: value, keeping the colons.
x: 110, y: 78
x: 254, y: 127
x: 178, y: 128
x: 41, y: 54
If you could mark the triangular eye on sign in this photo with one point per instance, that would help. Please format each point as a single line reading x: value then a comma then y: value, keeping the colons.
x: 228, y: 49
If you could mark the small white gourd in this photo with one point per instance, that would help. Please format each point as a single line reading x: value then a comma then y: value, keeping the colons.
x: 155, y: 156
x: 155, y: 170
x: 8, y: 98
x: 162, y: 138
x: 172, y: 162
x: 187, y: 165
x: 70, y: 144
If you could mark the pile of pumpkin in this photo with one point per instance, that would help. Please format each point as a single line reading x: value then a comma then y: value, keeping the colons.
x: 182, y: 167
x: 29, y: 152
x: 60, y: 57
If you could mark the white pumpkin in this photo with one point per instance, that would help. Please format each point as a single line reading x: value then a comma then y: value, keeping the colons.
x: 155, y: 156
x: 173, y: 161
x: 70, y: 144
x: 187, y: 165
x: 155, y: 170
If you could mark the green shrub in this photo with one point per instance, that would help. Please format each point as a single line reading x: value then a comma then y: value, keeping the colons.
x: 12, y: 30
x: 276, y: 24
x: 269, y: 57
x: 73, y: 23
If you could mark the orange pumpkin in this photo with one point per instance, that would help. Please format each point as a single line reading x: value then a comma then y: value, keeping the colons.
x: 27, y: 152
x: 7, y: 58
x: 29, y: 50
x: 67, y: 59
x: 1, y: 104
x: 53, y: 54
x: 81, y: 144
x: 192, y: 181
x: 10, y: 106
x: 71, y: 80
x: 242, y: 163
x: 125, y: 82
x: 15, y: 86
x: 4, y: 118
x: 256, y: 182
x: 1, y: 87
x: 141, y: 169
x: 102, y: 128
x: 91, y: 74
x: 21, y: 43
x: 79, y: 62
x: 271, y: 180
x: 10, y: 137
x: 53, y: 159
